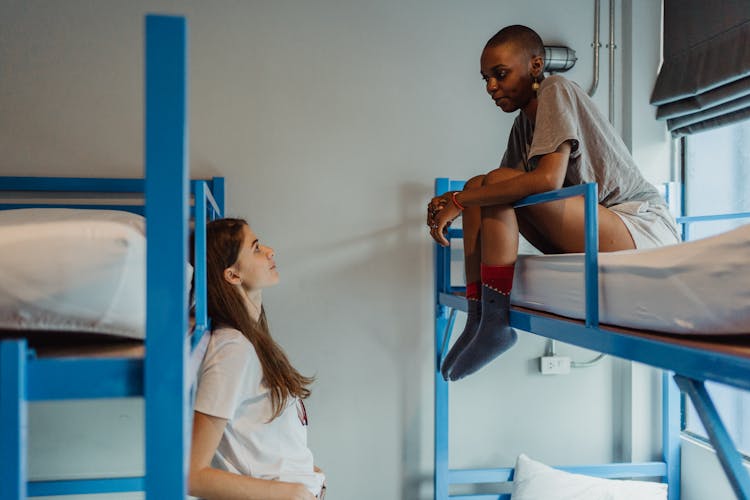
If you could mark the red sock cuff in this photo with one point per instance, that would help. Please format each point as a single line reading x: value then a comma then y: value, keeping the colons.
x: 499, y: 278
x: 474, y: 290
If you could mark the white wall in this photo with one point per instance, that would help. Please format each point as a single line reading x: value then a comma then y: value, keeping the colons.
x: 702, y: 475
x: 330, y: 120
x: 647, y: 138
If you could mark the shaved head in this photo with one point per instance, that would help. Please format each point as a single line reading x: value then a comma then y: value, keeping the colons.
x: 522, y: 37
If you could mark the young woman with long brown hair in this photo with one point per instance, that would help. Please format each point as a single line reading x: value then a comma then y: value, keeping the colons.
x: 249, y: 423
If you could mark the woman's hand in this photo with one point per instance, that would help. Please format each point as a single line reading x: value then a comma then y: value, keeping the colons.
x: 435, y: 205
x: 441, y: 211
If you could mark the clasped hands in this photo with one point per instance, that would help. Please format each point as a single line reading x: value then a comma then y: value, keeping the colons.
x: 441, y: 211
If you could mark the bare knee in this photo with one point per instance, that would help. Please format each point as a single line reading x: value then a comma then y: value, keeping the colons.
x: 475, y: 182
x: 500, y: 175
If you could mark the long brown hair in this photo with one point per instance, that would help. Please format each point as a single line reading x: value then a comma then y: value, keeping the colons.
x: 226, y: 307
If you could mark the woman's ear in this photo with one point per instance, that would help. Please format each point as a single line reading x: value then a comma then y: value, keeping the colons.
x: 537, y: 66
x: 232, y: 277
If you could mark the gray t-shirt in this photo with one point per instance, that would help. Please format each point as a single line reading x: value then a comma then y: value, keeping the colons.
x: 566, y: 113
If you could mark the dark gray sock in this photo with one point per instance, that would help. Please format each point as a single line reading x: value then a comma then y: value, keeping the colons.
x: 473, y: 315
x: 494, y: 335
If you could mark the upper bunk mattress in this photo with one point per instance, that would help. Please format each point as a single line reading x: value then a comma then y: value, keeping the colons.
x: 73, y: 270
x: 697, y: 287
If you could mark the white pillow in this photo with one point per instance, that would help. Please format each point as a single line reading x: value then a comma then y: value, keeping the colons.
x: 535, y: 481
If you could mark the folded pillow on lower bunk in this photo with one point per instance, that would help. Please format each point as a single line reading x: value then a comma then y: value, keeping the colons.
x: 534, y: 480
x: 73, y: 270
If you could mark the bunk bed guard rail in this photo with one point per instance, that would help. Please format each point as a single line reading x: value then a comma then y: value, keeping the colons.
x: 591, y: 265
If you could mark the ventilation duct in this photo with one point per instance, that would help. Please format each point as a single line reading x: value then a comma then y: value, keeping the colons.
x: 558, y: 58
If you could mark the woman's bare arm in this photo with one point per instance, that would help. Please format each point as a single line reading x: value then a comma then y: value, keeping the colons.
x: 548, y: 176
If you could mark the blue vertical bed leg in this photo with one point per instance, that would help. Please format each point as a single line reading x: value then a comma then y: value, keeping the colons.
x: 14, y: 419
x: 591, y: 257
x: 218, y: 190
x: 199, y: 249
x: 167, y: 209
x: 670, y: 433
x: 441, y: 258
x: 443, y: 326
x: 730, y: 458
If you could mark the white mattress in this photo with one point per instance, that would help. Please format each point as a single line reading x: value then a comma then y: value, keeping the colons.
x: 697, y: 287
x: 73, y: 270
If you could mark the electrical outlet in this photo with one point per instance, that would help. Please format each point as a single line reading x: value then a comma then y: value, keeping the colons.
x: 554, y: 365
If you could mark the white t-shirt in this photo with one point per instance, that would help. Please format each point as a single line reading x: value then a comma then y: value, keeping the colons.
x: 230, y: 386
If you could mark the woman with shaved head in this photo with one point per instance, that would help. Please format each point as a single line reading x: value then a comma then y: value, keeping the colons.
x: 559, y: 138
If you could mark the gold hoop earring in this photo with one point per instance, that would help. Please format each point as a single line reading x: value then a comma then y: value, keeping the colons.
x: 535, y: 83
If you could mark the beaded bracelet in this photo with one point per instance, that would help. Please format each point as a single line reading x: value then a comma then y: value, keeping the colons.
x: 455, y: 201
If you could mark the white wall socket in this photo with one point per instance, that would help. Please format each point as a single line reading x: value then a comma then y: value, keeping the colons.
x: 554, y: 365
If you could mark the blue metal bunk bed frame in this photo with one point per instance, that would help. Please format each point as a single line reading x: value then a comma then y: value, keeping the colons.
x: 690, y: 366
x: 165, y: 376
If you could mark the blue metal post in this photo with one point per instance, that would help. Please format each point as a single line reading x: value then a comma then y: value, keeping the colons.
x: 14, y: 418
x: 218, y: 191
x: 441, y: 414
x: 591, y: 269
x: 167, y: 209
x: 199, y: 250
x: 442, y: 284
x: 730, y: 458
x: 670, y: 433
x: 683, y: 209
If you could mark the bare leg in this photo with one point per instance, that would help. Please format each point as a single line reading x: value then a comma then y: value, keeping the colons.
x: 499, y: 248
x: 560, y: 224
x: 499, y: 226
x: 471, y: 221
x: 554, y: 226
x: 532, y: 235
x: 499, y: 235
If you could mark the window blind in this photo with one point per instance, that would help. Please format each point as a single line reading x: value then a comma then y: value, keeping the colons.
x: 704, y: 80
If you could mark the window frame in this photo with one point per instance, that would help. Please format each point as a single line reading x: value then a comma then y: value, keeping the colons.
x: 694, y: 429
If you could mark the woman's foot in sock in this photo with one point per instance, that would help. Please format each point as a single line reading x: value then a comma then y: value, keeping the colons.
x: 493, y: 337
x: 473, y: 316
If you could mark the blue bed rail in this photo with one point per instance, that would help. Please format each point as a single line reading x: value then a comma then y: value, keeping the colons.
x: 691, y: 365
x: 165, y: 376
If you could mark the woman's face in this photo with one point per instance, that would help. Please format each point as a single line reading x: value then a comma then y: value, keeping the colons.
x: 507, y: 72
x: 255, y: 265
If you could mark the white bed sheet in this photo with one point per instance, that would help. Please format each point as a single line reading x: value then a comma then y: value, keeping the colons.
x: 696, y: 287
x: 73, y: 270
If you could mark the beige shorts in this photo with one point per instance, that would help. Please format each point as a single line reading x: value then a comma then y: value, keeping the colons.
x: 650, y: 225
